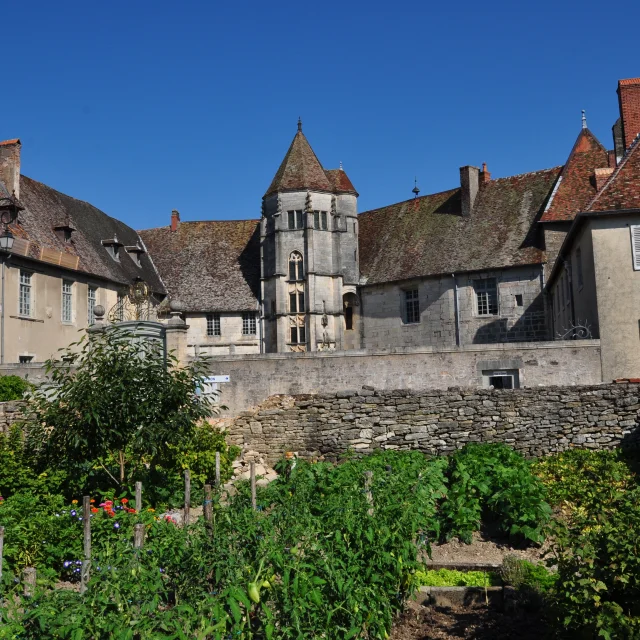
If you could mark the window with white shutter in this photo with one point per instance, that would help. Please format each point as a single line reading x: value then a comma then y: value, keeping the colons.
x: 635, y: 246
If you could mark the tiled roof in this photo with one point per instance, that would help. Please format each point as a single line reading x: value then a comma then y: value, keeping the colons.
x: 209, y: 266
x: 7, y: 142
x: 622, y: 190
x: 300, y: 169
x: 46, y: 208
x: 340, y: 182
x: 428, y: 235
x: 576, y: 186
x: 629, y: 81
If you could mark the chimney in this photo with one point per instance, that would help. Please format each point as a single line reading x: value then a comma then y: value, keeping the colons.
x: 601, y: 176
x: 611, y: 155
x: 10, y: 165
x: 175, y: 220
x: 469, y: 184
x: 485, y: 176
x: 629, y: 100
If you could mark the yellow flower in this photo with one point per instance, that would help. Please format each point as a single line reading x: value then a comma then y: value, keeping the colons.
x: 150, y: 509
x: 74, y: 502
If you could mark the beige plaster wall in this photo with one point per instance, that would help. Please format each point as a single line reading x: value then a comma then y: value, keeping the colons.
x: 231, y: 341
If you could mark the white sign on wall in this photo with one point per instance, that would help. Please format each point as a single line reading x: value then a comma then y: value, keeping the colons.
x: 212, y: 384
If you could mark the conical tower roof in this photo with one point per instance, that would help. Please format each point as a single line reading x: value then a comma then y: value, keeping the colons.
x: 300, y: 169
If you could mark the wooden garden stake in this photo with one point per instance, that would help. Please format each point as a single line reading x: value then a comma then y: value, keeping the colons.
x: 208, y: 507
x: 368, y: 477
x: 138, y: 496
x: 187, y: 496
x: 138, y: 536
x: 252, y: 467
x: 86, y: 527
x: 217, y: 469
x: 1, y: 547
x: 29, y: 581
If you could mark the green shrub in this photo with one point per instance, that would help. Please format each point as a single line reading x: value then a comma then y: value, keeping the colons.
x: 494, y: 482
x: 13, y: 388
x: 519, y: 573
x: 453, y: 578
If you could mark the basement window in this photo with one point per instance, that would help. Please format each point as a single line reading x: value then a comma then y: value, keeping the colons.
x: 519, y: 300
x: 501, y: 379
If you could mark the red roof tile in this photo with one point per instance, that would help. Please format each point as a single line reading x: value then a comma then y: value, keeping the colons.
x: 340, y: 181
x: 576, y: 186
x: 622, y: 190
x: 629, y: 81
x: 7, y: 142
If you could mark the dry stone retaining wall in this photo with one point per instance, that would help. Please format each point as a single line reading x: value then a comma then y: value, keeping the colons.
x: 535, y: 421
x: 9, y: 413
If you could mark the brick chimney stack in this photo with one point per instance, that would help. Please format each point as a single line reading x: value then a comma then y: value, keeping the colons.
x: 469, y: 185
x: 175, y: 220
x: 485, y: 176
x: 10, y: 165
x: 629, y: 100
x: 601, y: 176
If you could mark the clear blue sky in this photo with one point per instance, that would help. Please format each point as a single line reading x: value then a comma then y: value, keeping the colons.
x: 140, y: 107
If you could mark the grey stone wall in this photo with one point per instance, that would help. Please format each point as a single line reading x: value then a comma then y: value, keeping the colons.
x: 253, y: 378
x: 535, y: 422
x: 9, y: 413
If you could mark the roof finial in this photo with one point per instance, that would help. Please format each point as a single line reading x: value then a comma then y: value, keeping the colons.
x: 415, y: 189
x: 299, y: 123
x: 340, y: 165
x: 584, y: 119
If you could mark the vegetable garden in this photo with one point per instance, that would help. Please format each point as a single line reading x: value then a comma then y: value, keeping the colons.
x: 325, y: 551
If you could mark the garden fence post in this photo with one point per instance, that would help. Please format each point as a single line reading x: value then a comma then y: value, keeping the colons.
x: 138, y: 496
x: 217, y: 469
x: 29, y: 581
x: 208, y: 507
x: 252, y: 467
x: 187, y: 496
x: 138, y: 536
x: 368, y: 477
x: 86, y: 526
x: 1, y: 547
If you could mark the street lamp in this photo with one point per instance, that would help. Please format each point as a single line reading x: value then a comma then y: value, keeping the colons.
x: 6, y: 240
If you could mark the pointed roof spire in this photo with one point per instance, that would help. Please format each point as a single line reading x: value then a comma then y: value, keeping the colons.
x: 415, y: 189
x: 300, y: 124
x: 584, y: 119
x: 341, y: 169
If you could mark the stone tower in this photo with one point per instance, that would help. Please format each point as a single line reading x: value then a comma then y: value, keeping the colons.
x: 309, y: 256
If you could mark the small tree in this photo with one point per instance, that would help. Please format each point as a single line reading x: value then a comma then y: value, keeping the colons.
x: 114, y: 398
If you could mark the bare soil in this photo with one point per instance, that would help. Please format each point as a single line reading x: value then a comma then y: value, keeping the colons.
x: 471, y: 623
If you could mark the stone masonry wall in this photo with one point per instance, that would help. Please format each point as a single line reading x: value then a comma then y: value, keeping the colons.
x: 9, y: 413
x: 535, y: 421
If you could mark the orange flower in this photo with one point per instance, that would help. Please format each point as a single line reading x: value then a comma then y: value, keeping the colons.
x: 124, y: 500
x: 94, y: 509
x: 92, y: 500
x: 74, y: 502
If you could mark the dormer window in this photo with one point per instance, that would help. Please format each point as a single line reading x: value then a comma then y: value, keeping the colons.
x: 64, y: 232
x: 113, y: 247
x: 136, y: 253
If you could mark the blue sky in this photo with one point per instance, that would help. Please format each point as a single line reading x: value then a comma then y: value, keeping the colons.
x: 140, y: 107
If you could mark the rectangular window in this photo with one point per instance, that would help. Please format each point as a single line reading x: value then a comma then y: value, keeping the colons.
x: 486, y: 296
x: 635, y: 246
x: 292, y: 219
x: 299, y: 220
x: 120, y: 306
x: 213, y: 324
x: 296, y: 302
x: 316, y: 219
x: 411, y: 307
x: 579, y: 266
x: 25, y: 303
x: 249, y: 324
x: 348, y: 318
x: 295, y: 219
x: 25, y: 359
x: 323, y: 220
x: 519, y: 300
x: 92, y: 297
x: 298, y: 335
x: 67, y: 301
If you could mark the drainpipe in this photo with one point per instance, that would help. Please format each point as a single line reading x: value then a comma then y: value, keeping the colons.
x: 4, y: 259
x: 456, y: 307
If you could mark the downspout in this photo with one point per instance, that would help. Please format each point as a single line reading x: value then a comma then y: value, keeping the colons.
x: 567, y: 266
x: 4, y: 259
x: 456, y: 307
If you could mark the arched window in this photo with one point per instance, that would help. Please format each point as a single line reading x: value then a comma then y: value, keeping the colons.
x: 296, y: 267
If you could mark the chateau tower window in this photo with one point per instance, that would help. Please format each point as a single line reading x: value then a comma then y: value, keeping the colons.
x: 320, y: 220
x: 295, y: 219
x: 296, y: 267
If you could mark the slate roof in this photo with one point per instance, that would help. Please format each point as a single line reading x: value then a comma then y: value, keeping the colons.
x: 302, y: 170
x: 209, y: 266
x: 576, y: 186
x: 622, y: 190
x: 428, y: 235
x: 46, y: 208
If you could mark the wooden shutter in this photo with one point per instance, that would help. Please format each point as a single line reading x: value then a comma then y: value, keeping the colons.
x: 635, y: 246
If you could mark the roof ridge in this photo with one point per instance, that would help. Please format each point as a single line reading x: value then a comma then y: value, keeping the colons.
x: 632, y: 147
x: 527, y: 173
x: 426, y: 195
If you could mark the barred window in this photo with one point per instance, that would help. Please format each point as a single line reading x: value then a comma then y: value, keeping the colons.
x: 249, y: 324
x: 296, y: 267
x: 295, y: 219
x: 411, y: 306
x: 92, y: 297
x: 67, y: 301
x: 298, y: 335
x: 213, y: 324
x: 120, y: 306
x: 486, y: 296
x: 25, y: 304
x: 296, y: 302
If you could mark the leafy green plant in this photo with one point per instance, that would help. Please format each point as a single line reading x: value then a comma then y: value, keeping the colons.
x: 454, y: 578
x: 13, y: 388
x: 519, y: 573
